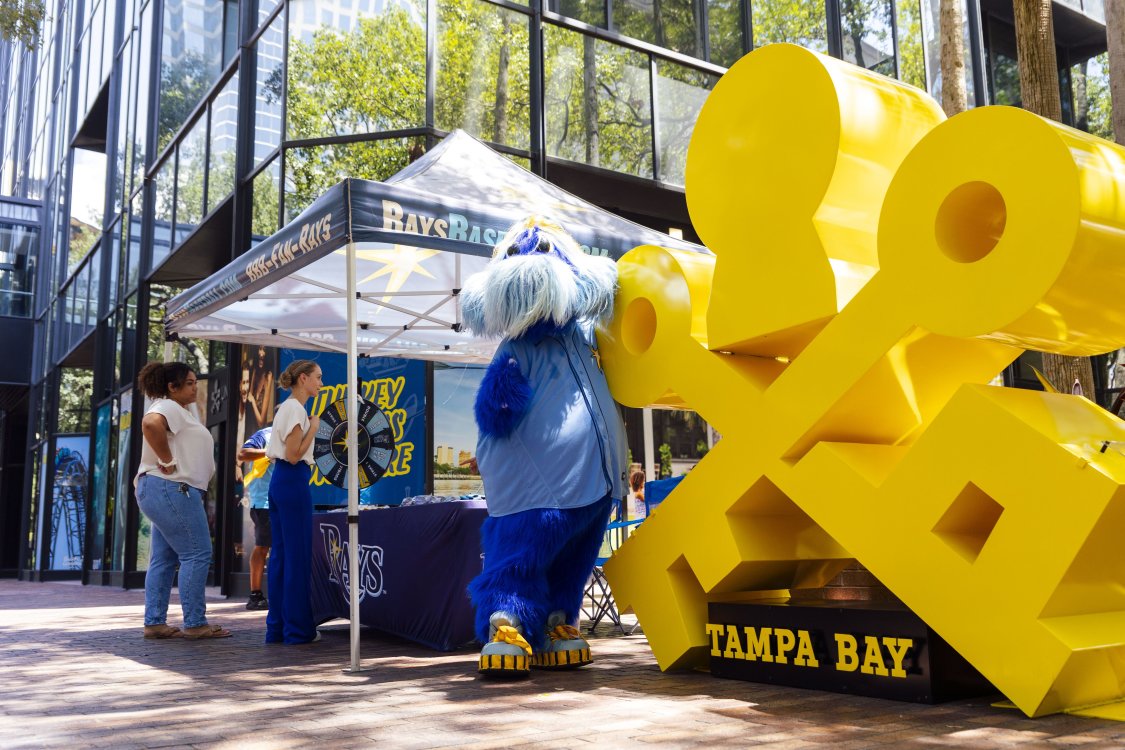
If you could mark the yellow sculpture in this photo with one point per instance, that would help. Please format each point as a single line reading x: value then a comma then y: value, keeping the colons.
x: 875, y: 266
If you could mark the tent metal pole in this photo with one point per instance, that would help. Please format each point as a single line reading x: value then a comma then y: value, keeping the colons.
x: 353, y: 464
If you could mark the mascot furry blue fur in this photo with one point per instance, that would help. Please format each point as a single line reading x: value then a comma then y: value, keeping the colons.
x: 551, y: 450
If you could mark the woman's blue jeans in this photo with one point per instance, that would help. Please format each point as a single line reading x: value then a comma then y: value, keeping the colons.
x: 179, y: 534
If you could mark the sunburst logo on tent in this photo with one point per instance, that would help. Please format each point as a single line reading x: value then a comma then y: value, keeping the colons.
x: 400, y: 262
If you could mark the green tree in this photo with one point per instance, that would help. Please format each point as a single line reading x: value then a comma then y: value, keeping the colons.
x: 665, y: 460
x: 800, y: 22
x: 369, y: 80
x: 598, y: 102
x: 20, y: 21
x: 183, y: 83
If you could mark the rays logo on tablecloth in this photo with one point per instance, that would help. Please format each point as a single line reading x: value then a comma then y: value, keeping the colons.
x: 370, y: 564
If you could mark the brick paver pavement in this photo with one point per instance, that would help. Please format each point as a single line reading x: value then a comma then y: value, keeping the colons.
x: 75, y: 672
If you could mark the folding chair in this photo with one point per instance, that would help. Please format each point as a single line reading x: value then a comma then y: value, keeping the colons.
x: 601, y: 604
x: 657, y: 490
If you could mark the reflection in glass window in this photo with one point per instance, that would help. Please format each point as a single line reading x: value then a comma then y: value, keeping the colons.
x: 482, y: 78
x: 189, y: 179
x: 309, y: 172
x: 220, y: 159
x: 265, y: 7
x: 724, y: 31
x: 267, y: 189
x: 800, y: 22
x: 866, y: 28
x: 1092, y: 102
x: 587, y: 11
x: 163, y: 195
x: 355, y: 73
x: 673, y: 24
x: 137, y: 125
x: 911, y: 64
x: 131, y: 273
x: 680, y: 93
x: 931, y: 31
x: 16, y: 243
x: 93, y: 307
x: 124, y: 167
x: 87, y: 205
x: 598, y: 102
x: 1005, y: 80
x: 635, y: 18
x: 190, y: 60
x: 267, y: 101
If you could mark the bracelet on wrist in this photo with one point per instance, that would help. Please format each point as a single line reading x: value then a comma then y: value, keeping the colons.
x: 166, y: 464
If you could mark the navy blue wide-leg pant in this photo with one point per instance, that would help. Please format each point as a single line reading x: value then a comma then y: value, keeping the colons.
x: 290, y: 619
x: 536, y: 562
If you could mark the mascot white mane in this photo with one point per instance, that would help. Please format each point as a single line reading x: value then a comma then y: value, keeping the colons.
x: 538, y: 274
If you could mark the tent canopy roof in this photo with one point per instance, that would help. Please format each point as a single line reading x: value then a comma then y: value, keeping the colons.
x: 417, y: 236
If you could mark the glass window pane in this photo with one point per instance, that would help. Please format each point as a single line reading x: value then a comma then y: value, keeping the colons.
x: 1092, y: 104
x: 635, y: 18
x: 311, y: 171
x: 587, y: 11
x: 94, y: 306
x: 190, y: 60
x: 267, y: 107
x: 668, y: 23
x: 931, y: 32
x: 138, y: 128
x: 598, y: 102
x: 482, y: 79
x: 114, y: 282
x: 189, y: 180
x: 724, y: 31
x: 680, y: 94
x: 800, y: 22
x: 866, y: 27
x: 911, y: 64
x: 164, y: 191
x: 265, y: 7
x: 350, y: 74
x: 267, y: 191
x: 16, y: 243
x: 87, y: 204
x: 131, y: 251
x: 123, y: 153
x: 220, y: 161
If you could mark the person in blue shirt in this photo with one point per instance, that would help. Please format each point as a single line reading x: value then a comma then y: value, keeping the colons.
x: 551, y: 449
x: 256, y: 488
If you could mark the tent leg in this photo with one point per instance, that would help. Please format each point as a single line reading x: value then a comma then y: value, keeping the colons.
x: 353, y: 466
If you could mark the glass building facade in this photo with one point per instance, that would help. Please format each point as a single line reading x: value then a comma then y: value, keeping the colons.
x: 146, y: 143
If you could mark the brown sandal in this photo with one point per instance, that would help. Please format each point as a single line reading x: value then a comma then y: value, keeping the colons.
x: 160, y: 632
x: 206, y: 631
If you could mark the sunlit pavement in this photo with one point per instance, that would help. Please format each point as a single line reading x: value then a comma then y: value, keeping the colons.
x: 75, y: 672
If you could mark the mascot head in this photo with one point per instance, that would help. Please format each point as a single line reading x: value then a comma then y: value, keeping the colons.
x: 538, y: 274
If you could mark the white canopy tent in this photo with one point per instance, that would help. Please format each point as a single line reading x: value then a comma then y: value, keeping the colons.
x: 375, y: 269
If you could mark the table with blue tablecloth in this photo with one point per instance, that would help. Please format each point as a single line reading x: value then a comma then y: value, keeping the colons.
x: 415, y: 563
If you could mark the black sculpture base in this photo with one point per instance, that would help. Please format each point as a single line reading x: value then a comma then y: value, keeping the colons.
x: 863, y: 648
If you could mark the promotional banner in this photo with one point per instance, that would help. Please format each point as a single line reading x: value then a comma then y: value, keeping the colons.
x: 398, y: 388
x: 68, y: 506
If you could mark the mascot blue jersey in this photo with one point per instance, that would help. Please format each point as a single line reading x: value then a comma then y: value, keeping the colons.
x: 568, y: 449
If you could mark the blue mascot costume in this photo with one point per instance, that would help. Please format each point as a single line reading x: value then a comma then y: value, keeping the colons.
x: 551, y: 450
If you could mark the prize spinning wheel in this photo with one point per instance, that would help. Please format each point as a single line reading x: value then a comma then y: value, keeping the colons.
x: 375, y: 444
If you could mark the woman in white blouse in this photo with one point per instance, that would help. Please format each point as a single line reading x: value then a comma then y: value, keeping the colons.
x: 290, y: 618
x: 177, y: 462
